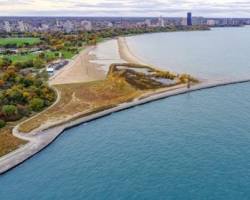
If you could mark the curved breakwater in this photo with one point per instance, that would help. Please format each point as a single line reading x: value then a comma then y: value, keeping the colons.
x: 40, y: 140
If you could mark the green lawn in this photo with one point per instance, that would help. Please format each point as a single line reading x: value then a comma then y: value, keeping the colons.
x: 65, y: 54
x: 19, y: 41
x: 21, y: 58
x: 51, y: 55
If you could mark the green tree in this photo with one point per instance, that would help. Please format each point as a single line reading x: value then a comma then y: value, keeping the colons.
x: 9, y: 110
x: 38, y: 63
x: 5, y: 62
x: 37, y: 104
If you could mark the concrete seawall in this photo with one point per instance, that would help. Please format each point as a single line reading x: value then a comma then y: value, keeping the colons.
x: 40, y: 140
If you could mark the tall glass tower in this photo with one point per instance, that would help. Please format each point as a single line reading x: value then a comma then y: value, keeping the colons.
x: 189, y: 19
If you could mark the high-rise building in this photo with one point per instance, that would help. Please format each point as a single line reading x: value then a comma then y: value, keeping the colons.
x: 189, y: 19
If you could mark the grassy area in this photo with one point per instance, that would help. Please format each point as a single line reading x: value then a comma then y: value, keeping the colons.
x: 83, y: 98
x: 122, y: 85
x: 51, y: 55
x: 21, y: 58
x: 8, y: 142
x: 19, y: 41
x: 65, y: 54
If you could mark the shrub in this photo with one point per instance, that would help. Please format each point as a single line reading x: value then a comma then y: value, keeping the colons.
x: 2, y: 123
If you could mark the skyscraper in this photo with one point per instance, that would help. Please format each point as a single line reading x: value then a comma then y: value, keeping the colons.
x: 189, y: 19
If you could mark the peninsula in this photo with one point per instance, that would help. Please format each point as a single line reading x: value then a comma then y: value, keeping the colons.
x: 85, y: 92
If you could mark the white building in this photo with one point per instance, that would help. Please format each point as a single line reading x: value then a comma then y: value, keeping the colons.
x: 110, y: 25
x: 68, y: 26
x: 211, y: 22
x: 87, y: 25
x: 21, y: 26
x: 148, y: 22
x: 161, y: 21
x: 44, y: 27
x: 7, y: 26
x: 184, y: 21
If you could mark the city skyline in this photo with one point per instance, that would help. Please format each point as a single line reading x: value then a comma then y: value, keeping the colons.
x: 114, y: 8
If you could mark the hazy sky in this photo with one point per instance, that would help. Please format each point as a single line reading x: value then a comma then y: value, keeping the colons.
x: 216, y: 8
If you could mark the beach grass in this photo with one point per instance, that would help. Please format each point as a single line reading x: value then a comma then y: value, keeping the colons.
x: 19, y: 41
x: 82, y: 98
x: 8, y: 142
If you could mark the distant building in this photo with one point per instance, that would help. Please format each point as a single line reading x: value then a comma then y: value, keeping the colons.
x: 68, y: 26
x: 148, y: 22
x: 44, y: 27
x: 110, y: 25
x: 86, y: 25
x: 211, y: 22
x: 21, y: 26
x: 199, y: 21
x: 161, y: 21
x: 183, y: 22
x: 7, y: 26
x: 189, y: 19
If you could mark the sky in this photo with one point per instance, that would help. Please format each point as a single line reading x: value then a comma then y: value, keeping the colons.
x: 143, y: 8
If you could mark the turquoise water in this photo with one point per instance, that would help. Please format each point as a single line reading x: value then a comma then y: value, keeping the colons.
x: 192, y: 146
x: 218, y: 54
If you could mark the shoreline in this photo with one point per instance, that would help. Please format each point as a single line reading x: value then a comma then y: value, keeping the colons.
x: 40, y: 139
x: 125, y: 52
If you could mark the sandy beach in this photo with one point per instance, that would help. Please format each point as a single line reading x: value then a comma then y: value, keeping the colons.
x: 83, y: 69
x: 125, y: 52
x: 80, y: 69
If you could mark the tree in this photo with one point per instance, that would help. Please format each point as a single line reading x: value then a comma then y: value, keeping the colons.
x: 5, y: 62
x: 38, y: 63
x: 36, y: 104
x: 1, y: 83
x: 42, y: 55
x: 9, y: 110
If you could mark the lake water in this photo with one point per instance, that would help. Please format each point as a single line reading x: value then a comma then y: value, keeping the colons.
x: 222, y: 53
x: 192, y: 146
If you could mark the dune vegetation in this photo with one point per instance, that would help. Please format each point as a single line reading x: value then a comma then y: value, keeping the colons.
x: 81, y: 99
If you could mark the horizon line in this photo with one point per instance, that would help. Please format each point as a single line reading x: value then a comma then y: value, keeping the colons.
x: 71, y: 16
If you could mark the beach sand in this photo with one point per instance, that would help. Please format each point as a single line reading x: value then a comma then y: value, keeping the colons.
x: 83, y: 69
x: 125, y: 52
x: 80, y: 69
